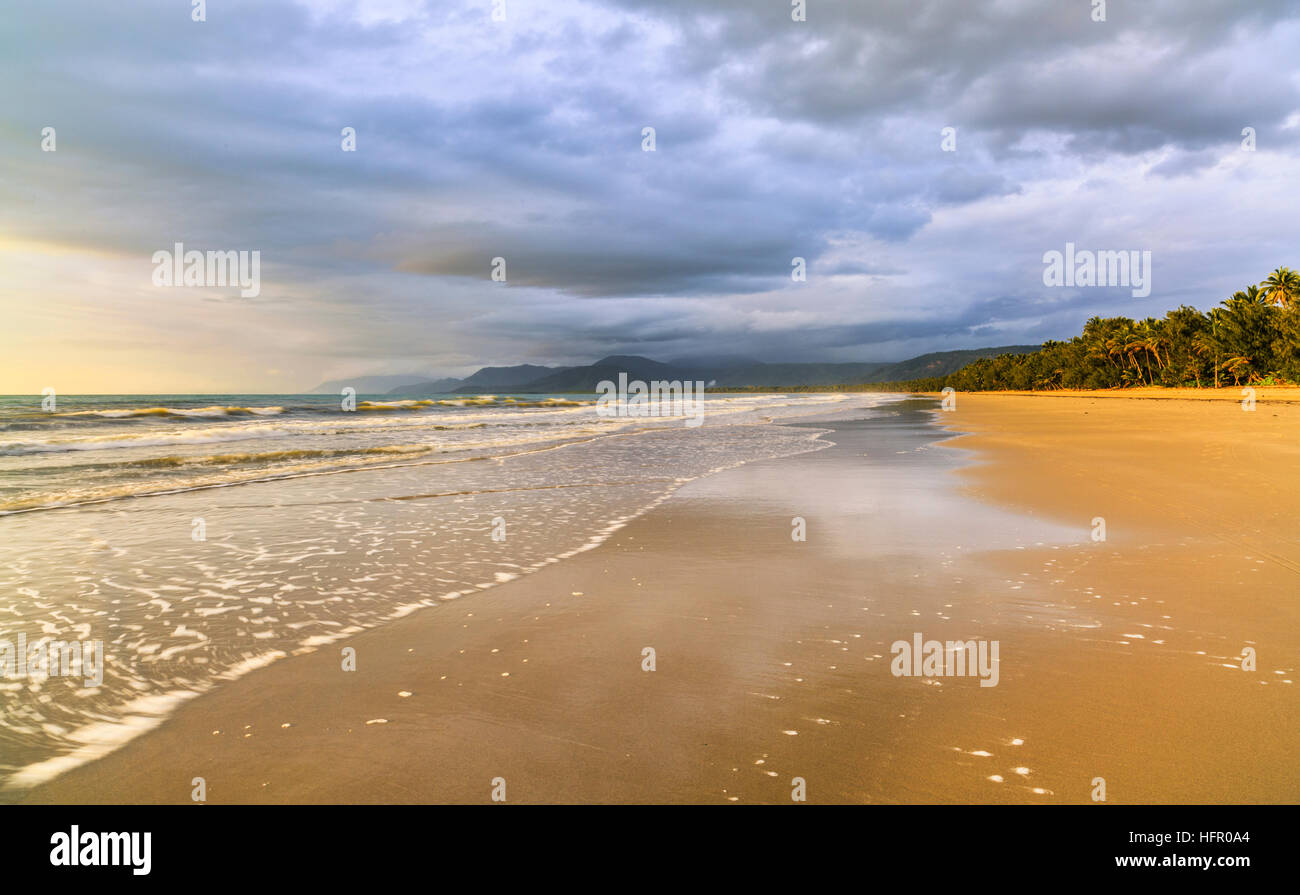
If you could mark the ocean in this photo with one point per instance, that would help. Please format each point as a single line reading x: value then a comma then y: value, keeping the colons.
x: 200, y: 537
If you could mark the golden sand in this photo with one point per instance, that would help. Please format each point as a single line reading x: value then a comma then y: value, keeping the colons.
x: 1120, y: 659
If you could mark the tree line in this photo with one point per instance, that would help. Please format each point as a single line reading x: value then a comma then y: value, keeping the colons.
x: 1252, y: 338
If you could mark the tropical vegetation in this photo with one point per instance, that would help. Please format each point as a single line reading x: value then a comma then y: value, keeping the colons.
x: 1251, y: 338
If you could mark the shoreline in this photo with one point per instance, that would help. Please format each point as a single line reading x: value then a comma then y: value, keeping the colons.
x: 149, y: 712
x: 1285, y: 394
x: 299, y: 563
x: 772, y: 655
x: 195, y: 709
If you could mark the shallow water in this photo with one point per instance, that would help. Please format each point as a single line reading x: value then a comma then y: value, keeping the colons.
x: 219, y: 574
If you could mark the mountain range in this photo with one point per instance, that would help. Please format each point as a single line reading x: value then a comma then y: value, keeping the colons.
x: 719, y: 372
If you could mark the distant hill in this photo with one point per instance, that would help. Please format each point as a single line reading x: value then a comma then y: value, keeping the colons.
x: 585, y: 379
x: 727, y: 361
x: 796, y: 374
x: 487, y: 379
x: 734, y: 372
x: 495, y: 377
x: 369, y: 385
x: 941, y: 363
x: 434, y: 387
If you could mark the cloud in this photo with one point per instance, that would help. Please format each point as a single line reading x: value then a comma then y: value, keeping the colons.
x: 522, y: 139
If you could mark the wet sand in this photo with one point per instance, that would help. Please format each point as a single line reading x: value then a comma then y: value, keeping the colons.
x: 1201, y: 559
x: 1118, y: 658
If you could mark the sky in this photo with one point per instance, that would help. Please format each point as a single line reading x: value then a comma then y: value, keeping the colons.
x: 515, y: 129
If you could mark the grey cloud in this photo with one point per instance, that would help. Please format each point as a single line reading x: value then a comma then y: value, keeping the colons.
x: 775, y: 139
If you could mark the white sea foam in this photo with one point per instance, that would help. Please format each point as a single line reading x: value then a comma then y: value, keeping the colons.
x: 295, y: 564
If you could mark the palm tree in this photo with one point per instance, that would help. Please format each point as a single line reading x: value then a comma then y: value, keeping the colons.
x: 1206, y: 343
x: 1151, y: 338
x: 1251, y: 337
x: 1282, y: 286
x: 1115, y: 348
x: 1135, y: 344
x: 1238, y: 366
x: 1252, y: 295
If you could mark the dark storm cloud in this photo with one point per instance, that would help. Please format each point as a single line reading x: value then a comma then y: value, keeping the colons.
x: 1168, y: 65
x: 775, y: 139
